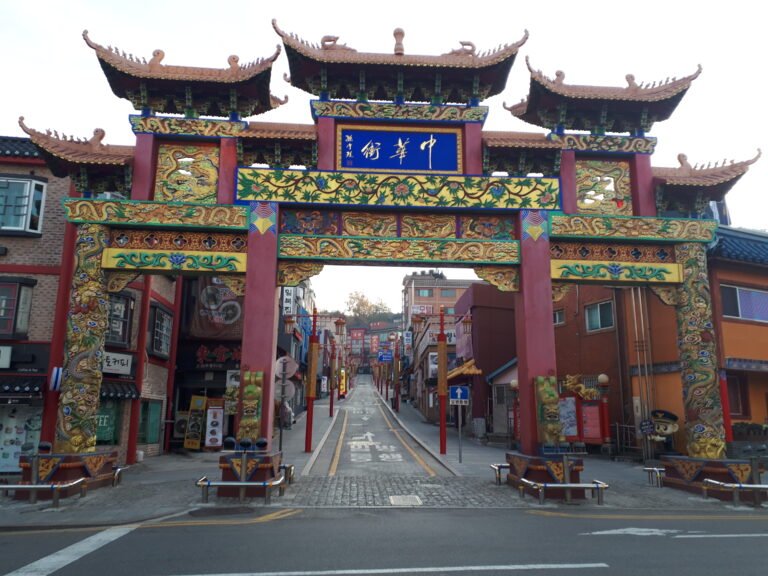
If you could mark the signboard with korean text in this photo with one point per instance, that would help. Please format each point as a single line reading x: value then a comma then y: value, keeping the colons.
x: 399, y: 149
x: 590, y: 421
x: 214, y: 427
x: 194, y: 432
x: 115, y: 363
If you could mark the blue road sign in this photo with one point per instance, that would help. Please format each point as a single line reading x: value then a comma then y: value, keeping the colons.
x: 459, y: 395
x: 385, y: 355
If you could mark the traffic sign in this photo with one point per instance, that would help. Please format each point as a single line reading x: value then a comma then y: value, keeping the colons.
x: 385, y: 355
x: 285, y: 366
x: 459, y: 395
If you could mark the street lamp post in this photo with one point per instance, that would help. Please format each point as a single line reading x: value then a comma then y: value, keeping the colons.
x: 332, y: 376
x: 396, y: 389
x: 314, y: 344
x: 442, y: 367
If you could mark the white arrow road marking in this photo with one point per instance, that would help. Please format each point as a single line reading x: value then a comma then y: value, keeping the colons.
x: 66, y: 556
x: 367, y: 437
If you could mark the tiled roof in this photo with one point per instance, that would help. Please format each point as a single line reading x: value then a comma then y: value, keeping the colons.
x: 132, y: 66
x: 330, y: 51
x: 494, y: 139
x: 687, y: 175
x: 634, y: 92
x: 740, y: 245
x: 79, y: 151
x: 17, y: 147
x: 275, y: 130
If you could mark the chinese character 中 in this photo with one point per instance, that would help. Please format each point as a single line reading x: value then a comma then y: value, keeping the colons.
x: 428, y: 145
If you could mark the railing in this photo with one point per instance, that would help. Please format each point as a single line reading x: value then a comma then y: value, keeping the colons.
x: 117, y: 476
x: 735, y: 488
x: 627, y: 442
x: 54, y: 488
x: 542, y: 487
x: 655, y: 476
x: 205, y: 484
x: 497, y: 468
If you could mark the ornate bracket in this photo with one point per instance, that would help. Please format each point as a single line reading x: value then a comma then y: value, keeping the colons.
x: 505, y: 278
x: 559, y: 290
x: 234, y: 283
x: 670, y: 295
x: 117, y: 281
x: 292, y: 273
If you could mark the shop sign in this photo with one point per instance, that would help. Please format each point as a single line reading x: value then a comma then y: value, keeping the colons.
x: 115, y: 363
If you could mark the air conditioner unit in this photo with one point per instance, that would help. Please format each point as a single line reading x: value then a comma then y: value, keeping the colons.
x: 180, y: 425
x: 111, y: 196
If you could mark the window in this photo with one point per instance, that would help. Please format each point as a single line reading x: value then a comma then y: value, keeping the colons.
x: 449, y: 310
x: 21, y: 204
x: 149, y: 422
x: 424, y: 292
x: 738, y: 396
x: 15, y: 305
x: 119, y: 320
x: 448, y: 292
x: 744, y: 303
x: 558, y: 317
x: 599, y: 316
x: 161, y: 327
x: 108, y: 422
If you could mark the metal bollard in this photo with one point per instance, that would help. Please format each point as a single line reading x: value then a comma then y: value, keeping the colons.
x: 205, y: 492
x: 542, y: 496
x: 567, y: 477
x: 243, y: 473
x: 35, y: 466
x: 56, y: 495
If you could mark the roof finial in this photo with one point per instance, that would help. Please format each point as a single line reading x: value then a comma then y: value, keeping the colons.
x: 399, y: 34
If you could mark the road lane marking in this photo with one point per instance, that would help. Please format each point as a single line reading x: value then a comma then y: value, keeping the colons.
x: 316, y: 453
x: 722, y: 536
x: 418, y: 570
x: 619, y: 516
x: 56, y: 561
x: 339, y: 444
x: 411, y: 451
x: 279, y: 515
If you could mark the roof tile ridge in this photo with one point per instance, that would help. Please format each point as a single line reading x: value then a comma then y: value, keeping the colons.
x: 51, y: 140
x: 720, y: 168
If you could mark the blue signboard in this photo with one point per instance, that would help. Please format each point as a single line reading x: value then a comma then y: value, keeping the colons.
x: 389, y: 149
x: 459, y: 394
x: 385, y: 356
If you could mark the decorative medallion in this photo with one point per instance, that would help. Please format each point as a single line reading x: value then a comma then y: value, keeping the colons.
x: 262, y: 218
x: 293, y: 273
x: 186, y: 126
x: 591, y: 270
x: 555, y: 469
x: 670, y: 295
x: 698, y: 357
x: 94, y: 464
x: 386, y: 111
x: 559, y: 290
x: 688, y: 469
x: 236, y: 464
x: 187, y: 173
x: 48, y: 467
x: 660, y: 229
x: 369, y: 189
x: 487, y: 227
x: 156, y: 214
x: 534, y: 225
x: 740, y: 473
x: 594, y: 143
x: 117, y: 281
x: 603, y: 187
x: 431, y: 251
x: 505, y: 278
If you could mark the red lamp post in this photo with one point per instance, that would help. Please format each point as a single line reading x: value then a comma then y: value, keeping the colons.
x: 332, y: 376
x: 442, y: 367
x: 289, y: 322
x: 605, y: 426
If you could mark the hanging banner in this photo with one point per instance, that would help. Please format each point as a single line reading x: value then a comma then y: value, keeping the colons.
x: 218, y: 311
x: 194, y: 434
x: 231, y: 392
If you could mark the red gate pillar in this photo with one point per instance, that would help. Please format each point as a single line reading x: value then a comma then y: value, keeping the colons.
x: 534, y: 329
x: 260, y: 314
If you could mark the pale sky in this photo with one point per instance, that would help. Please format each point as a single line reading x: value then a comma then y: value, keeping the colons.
x: 53, y: 79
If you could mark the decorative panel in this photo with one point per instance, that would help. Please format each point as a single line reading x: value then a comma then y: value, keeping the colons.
x: 389, y: 111
x: 595, y: 271
x: 659, y: 229
x: 155, y: 214
x: 595, y: 143
x: 369, y: 224
x: 177, y: 240
x: 603, y: 187
x: 186, y: 126
x: 613, y: 252
x: 177, y: 261
x: 187, y: 173
x: 489, y: 227
x: 369, y: 189
x: 318, y: 222
x: 428, y: 226
x: 398, y: 251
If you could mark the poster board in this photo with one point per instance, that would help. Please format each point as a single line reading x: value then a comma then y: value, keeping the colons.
x: 214, y: 427
x: 568, y: 418
x: 194, y: 434
x: 590, y: 421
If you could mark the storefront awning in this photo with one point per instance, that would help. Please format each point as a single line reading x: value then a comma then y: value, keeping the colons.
x: 21, y: 387
x: 119, y: 390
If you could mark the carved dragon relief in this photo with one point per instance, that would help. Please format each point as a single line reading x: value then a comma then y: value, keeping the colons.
x: 505, y: 278
x: 117, y: 281
x: 670, y: 295
x: 559, y: 290
x: 292, y: 273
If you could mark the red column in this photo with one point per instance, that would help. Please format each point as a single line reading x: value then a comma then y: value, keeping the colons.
x: 58, y: 337
x: 326, y: 139
x: 643, y: 194
x: 171, y: 381
x: 332, y: 376
x: 260, y: 314
x: 227, y: 171
x: 568, y: 181
x: 141, y: 368
x: 442, y: 382
x: 534, y: 330
x: 144, y: 164
x: 473, y: 148
x: 314, y: 343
